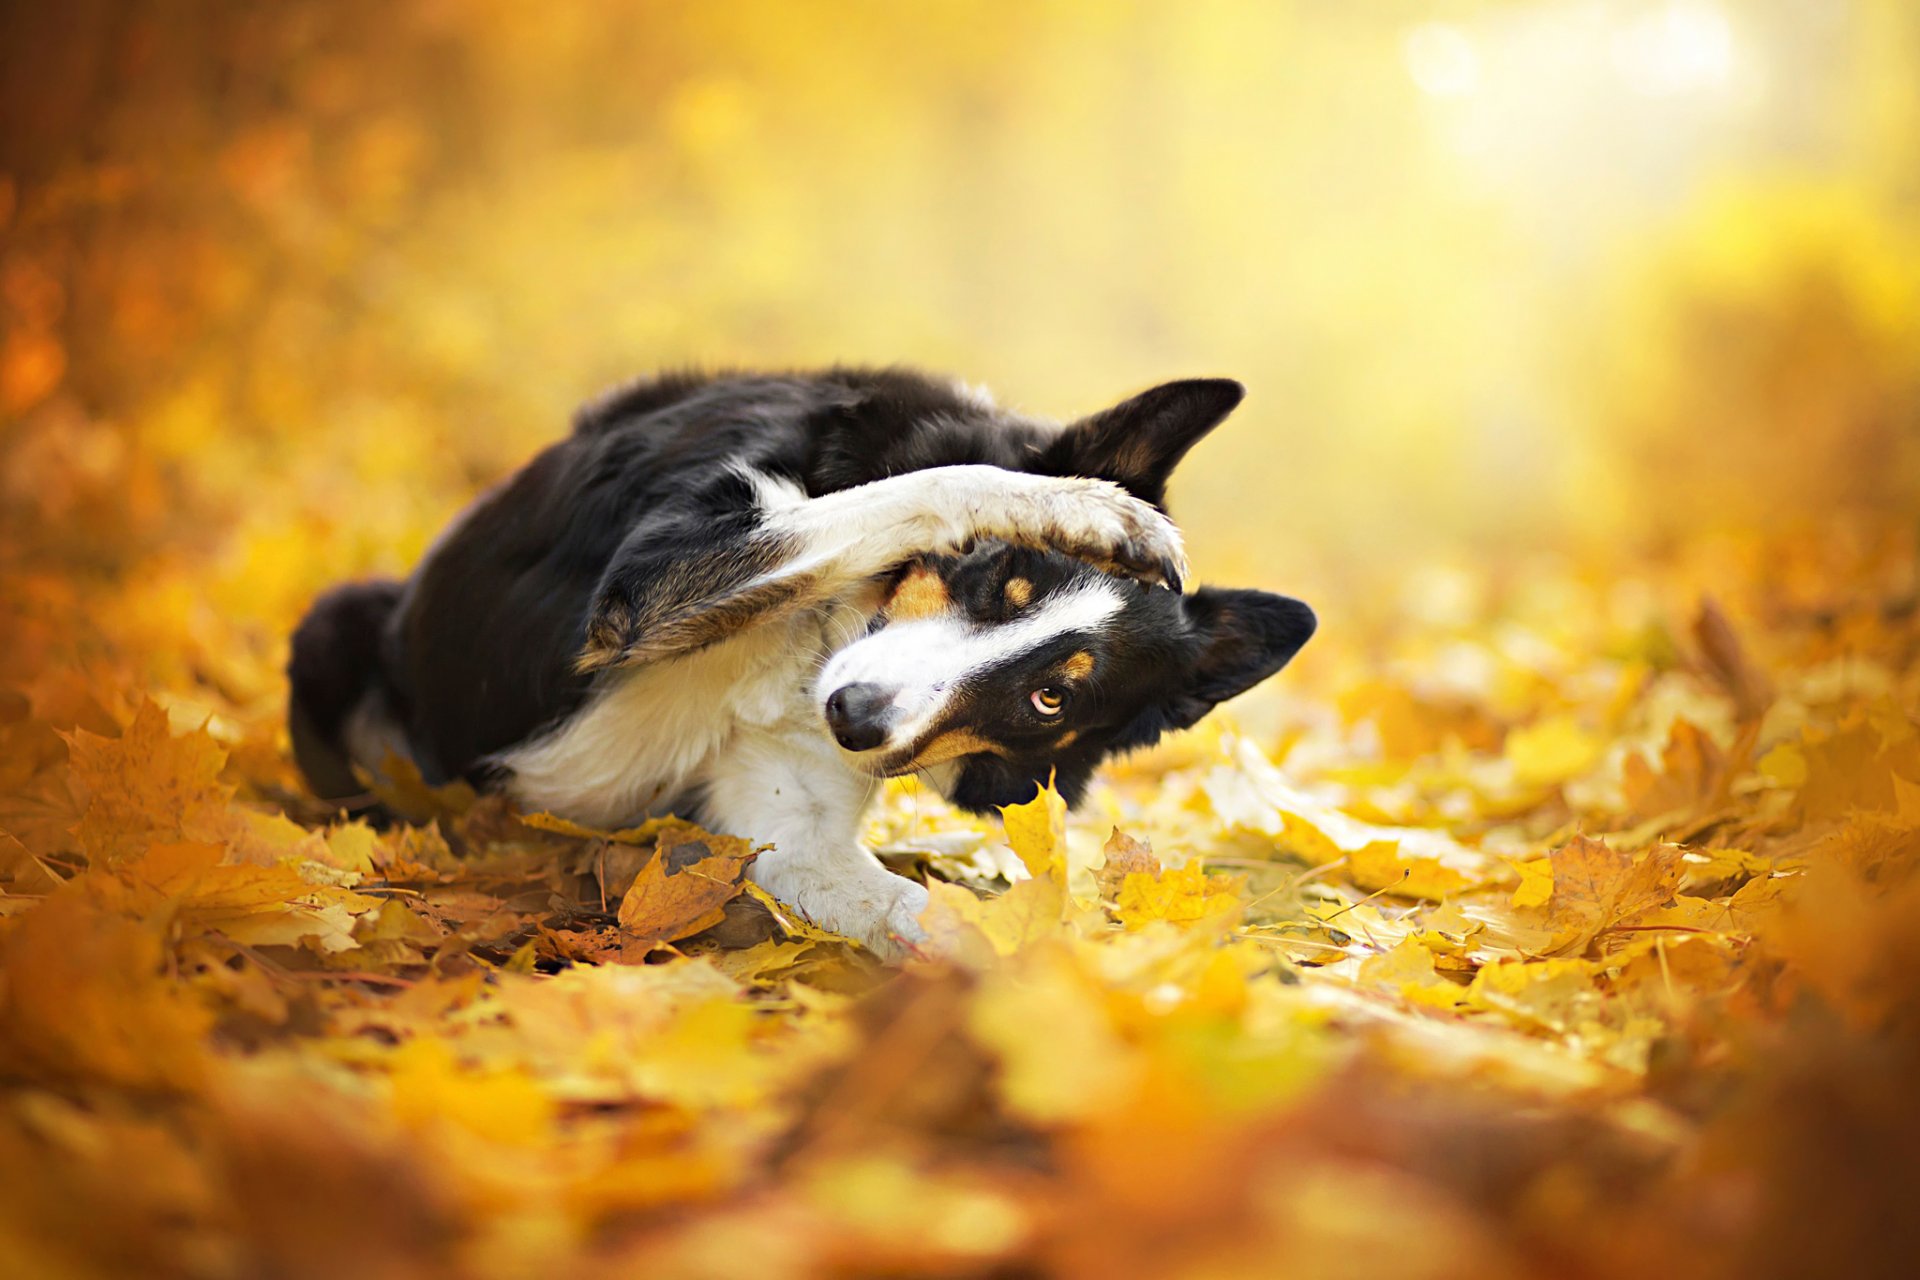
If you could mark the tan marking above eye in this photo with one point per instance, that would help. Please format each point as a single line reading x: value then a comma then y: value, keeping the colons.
x: 921, y: 594
x: 1066, y: 739
x: 953, y: 744
x: 1019, y: 592
x: 1079, y: 666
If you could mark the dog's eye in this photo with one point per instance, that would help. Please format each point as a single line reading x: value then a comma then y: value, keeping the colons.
x: 1048, y: 701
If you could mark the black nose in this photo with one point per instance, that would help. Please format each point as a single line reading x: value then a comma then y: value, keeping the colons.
x: 858, y: 715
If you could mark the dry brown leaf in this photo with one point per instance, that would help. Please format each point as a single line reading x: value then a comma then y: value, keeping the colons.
x: 1692, y: 772
x: 686, y: 886
x: 1727, y: 658
x: 1124, y: 857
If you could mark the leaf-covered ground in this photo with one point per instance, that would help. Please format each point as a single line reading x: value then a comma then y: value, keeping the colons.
x: 1554, y: 915
x: 1565, y: 922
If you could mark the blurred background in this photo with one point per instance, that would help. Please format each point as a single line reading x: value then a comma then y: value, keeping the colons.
x: 282, y: 285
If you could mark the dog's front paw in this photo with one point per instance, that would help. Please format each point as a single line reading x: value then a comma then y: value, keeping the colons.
x: 899, y: 931
x: 1098, y: 520
x: 864, y: 902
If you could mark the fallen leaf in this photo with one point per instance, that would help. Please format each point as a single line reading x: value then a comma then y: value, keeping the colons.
x: 1536, y: 882
x: 686, y: 886
x: 1692, y: 772
x: 1596, y: 887
x: 1552, y: 751
x: 1037, y: 830
x: 1124, y: 856
x: 87, y: 997
x: 1383, y: 867
x: 1184, y: 896
x: 148, y: 786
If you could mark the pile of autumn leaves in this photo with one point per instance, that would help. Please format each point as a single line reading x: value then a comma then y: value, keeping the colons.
x: 1562, y: 944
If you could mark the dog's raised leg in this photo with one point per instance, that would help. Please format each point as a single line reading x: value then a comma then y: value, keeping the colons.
x: 766, y: 548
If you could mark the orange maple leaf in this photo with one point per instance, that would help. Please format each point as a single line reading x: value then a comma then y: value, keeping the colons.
x: 1691, y: 772
x: 148, y: 786
x: 686, y: 886
x: 1596, y: 887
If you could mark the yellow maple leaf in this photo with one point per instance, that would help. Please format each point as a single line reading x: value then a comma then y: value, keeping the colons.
x: 430, y: 1087
x: 765, y: 963
x: 955, y: 922
x: 1673, y: 967
x: 1304, y: 840
x: 196, y: 887
x: 1551, y: 751
x: 1846, y: 769
x: 1037, y: 830
x: 1550, y: 994
x: 704, y: 1057
x: 645, y: 833
x: 1078, y: 1067
x: 350, y: 847
x: 1407, y: 967
x: 1383, y: 866
x: 22, y: 870
x: 1184, y: 896
x: 974, y: 931
x: 1784, y: 766
x: 1024, y: 914
x: 1536, y: 882
x: 1122, y: 856
x: 790, y: 921
x: 1692, y: 769
x: 37, y: 802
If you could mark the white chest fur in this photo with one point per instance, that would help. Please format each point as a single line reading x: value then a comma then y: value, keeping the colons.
x: 656, y: 731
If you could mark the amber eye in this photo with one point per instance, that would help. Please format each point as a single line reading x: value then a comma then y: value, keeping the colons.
x: 1048, y: 701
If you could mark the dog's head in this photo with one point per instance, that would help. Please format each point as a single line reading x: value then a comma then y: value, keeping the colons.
x: 995, y: 669
x: 1000, y: 667
x: 1007, y: 664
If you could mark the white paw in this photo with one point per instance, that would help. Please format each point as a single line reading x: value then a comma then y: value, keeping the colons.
x: 899, y: 931
x: 869, y: 904
x: 1100, y: 521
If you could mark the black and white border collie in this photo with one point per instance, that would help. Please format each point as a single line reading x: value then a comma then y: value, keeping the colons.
x: 744, y: 599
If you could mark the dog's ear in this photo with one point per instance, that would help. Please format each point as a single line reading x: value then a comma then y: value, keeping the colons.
x: 1242, y: 637
x: 1137, y: 443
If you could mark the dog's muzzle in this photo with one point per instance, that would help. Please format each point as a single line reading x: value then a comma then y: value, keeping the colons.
x: 860, y: 715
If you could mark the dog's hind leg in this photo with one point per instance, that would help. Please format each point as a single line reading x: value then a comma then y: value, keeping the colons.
x: 776, y: 550
x: 336, y: 702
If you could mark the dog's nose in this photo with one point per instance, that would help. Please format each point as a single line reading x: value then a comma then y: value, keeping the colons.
x: 858, y: 715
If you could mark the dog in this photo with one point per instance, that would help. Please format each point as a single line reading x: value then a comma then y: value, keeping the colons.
x: 745, y: 599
